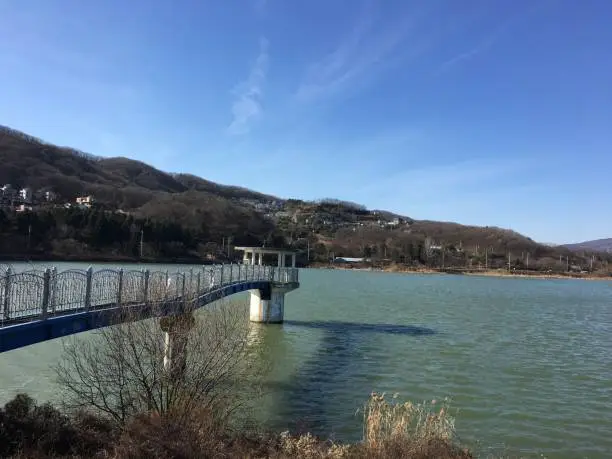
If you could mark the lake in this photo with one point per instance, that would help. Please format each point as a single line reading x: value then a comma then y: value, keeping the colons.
x: 527, y: 362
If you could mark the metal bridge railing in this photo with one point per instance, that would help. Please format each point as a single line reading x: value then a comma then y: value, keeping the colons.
x: 37, y: 294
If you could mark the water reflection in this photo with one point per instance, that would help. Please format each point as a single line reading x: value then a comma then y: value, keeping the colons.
x: 344, y: 327
x: 255, y: 335
x: 347, y: 353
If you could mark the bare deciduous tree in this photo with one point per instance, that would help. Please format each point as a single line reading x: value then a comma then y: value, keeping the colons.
x: 120, y: 370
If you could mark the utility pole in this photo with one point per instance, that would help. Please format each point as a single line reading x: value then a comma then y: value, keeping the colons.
x: 486, y: 258
x: 527, y: 260
x: 141, y: 241
x: 509, y: 254
x: 308, y: 250
x: 29, y: 236
x: 592, y: 256
x: 566, y: 263
x: 443, y: 251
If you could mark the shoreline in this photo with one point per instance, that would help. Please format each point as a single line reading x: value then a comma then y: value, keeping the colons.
x: 483, y: 273
x: 500, y: 273
x: 539, y: 276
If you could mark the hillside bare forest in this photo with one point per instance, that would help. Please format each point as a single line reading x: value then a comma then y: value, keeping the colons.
x: 140, y: 212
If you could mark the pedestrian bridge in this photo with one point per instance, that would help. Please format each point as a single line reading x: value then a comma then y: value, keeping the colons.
x: 42, y: 305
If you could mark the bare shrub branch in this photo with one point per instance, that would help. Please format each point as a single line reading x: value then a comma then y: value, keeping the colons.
x: 119, y: 371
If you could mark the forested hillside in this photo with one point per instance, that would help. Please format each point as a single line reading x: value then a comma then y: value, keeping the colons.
x: 140, y: 211
x: 26, y: 161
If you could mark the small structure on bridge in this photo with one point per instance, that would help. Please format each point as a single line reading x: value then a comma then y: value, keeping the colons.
x: 254, y: 255
x: 268, y: 305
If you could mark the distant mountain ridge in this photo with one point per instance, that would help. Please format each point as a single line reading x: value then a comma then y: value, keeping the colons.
x: 597, y: 245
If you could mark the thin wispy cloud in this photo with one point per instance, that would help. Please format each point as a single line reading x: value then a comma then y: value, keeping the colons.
x: 491, y: 39
x: 464, y: 56
x: 484, y: 45
x: 247, y: 107
x: 367, y: 45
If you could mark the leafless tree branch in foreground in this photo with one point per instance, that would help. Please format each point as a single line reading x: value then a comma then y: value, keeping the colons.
x: 120, y: 371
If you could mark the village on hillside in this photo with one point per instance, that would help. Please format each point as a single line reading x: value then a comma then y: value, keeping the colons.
x: 25, y: 199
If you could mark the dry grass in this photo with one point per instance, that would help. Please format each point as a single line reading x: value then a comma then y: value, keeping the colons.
x: 395, y: 429
x: 391, y: 430
x: 391, y: 421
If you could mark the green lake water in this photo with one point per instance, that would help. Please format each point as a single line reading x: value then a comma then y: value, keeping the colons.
x: 527, y: 362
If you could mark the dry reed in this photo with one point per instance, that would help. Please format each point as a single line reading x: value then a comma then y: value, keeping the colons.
x: 391, y: 430
x: 391, y: 421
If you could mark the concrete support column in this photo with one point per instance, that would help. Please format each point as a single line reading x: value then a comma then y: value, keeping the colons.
x: 293, y: 260
x: 245, y: 258
x: 280, y: 260
x: 176, y: 336
x: 260, y: 259
x: 267, y: 308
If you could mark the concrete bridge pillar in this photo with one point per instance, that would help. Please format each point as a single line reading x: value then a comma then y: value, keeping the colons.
x: 176, y: 336
x: 268, y: 305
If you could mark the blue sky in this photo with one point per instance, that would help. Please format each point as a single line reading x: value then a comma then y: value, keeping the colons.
x: 481, y: 112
